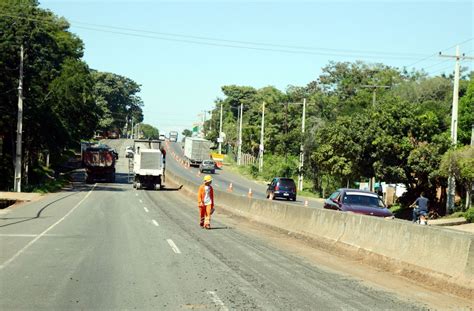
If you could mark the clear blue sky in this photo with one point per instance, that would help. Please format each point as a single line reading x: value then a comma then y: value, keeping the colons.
x: 180, y: 79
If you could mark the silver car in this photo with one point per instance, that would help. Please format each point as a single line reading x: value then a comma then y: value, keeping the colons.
x: 207, y: 165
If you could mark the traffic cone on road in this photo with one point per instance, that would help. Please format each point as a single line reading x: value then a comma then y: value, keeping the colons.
x: 250, y: 193
x: 230, y: 188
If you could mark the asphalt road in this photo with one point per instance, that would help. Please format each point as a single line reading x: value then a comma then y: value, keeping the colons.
x: 223, y: 178
x: 108, y: 246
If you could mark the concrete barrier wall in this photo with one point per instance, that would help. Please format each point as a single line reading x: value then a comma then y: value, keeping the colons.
x: 445, y: 252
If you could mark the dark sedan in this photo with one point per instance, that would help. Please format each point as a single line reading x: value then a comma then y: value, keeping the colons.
x: 282, y: 188
x: 357, y: 201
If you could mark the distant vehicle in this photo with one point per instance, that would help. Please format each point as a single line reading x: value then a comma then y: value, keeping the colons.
x: 148, y: 164
x: 208, y: 166
x: 129, y: 152
x: 196, y: 150
x: 357, y: 201
x: 162, y: 137
x: 282, y: 187
x: 99, y: 162
x: 173, y: 136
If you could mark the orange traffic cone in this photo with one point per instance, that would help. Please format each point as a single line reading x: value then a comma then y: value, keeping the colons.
x: 230, y: 187
x: 250, y: 193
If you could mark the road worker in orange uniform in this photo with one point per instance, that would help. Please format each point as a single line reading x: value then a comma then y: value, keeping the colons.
x: 206, y: 202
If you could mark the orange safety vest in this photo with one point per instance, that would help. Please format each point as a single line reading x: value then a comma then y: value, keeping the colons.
x: 202, y: 193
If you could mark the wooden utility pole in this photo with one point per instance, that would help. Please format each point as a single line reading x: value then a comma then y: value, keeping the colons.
x: 374, y: 102
x: 19, y: 129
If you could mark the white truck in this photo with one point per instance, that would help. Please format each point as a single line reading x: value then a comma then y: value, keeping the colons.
x: 173, y: 136
x: 149, y: 161
x: 196, y: 150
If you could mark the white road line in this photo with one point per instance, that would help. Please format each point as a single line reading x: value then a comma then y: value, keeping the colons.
x: 141, y: 201
x: 26, y: 235
x: 217, y: 301
x: 6, y: 263
x: 146, y: 209
x: 173, y: 246
x: 155, y: 223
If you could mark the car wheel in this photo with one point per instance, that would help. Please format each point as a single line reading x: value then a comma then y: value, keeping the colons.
x: 294, y: 199
x: 213, y: 171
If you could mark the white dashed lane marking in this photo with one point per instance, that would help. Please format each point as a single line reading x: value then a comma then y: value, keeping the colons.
x: 146, y: 209
x: 173, y: 246
x: 155, y: 223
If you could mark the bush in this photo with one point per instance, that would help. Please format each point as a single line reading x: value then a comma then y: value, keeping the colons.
x: 469, y: 215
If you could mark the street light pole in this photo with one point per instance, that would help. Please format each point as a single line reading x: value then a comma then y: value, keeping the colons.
x: 260, y: 147
x: 300, y: 171
x: 19, y: 128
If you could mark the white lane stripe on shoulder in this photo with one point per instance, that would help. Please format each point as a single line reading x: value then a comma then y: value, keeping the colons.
x: 173, y: 246
x: 6, y: 263
x: 146, y: 209
x: 155, y: 223
x: 217, y: 301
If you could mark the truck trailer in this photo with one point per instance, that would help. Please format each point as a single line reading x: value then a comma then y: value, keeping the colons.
x: 99, y: 162
x: 196, y: 150
x: 148, y: 164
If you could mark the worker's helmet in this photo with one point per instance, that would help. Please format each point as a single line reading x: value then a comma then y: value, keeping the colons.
x: 207, y: 178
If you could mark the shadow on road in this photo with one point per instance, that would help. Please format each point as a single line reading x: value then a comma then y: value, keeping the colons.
x: 38, y: 214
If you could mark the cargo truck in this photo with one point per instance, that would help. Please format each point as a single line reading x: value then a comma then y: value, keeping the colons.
x: 173, y: 136
x: 149, y: 161
x: 99, y: 162
x: 196, y: 150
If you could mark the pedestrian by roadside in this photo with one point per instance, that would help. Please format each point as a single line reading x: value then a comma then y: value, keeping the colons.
x: 420, y: 207
x: 206, y: 202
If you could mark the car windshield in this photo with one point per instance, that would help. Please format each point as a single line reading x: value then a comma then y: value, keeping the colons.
x: 208, y: 162
x: 362, y: 199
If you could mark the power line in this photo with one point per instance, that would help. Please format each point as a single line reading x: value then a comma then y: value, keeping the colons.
x: 437, y: 53
x: 288, y: 48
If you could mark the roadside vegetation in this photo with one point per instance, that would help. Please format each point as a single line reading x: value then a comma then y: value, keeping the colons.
x: 402, y: 137
x: 65, y: 101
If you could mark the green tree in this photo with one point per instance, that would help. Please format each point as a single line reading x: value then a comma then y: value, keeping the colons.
x: 460, y: 163
x: 118, y: 100
x: 149, y: 131
x: 187, y: 133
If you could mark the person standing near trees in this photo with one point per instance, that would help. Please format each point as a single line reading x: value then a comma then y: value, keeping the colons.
x: 206, y: 202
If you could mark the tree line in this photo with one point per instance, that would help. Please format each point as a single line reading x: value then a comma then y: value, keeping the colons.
x: 64, y: 99
x: 401, y: 137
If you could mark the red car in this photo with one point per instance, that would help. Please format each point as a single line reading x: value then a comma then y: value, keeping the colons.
x: 357, y: 201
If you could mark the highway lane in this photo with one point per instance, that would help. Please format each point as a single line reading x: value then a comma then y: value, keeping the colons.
x: 223, y: 178
x: 108, y: 246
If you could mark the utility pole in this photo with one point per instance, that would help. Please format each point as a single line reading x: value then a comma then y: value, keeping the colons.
x: 19, y: 128
x: 220, y: 132
x: 239, y: 152
x: 260, y: 147
x: 374, y: 102
x: 204, y: 123
x: 454, y: 125
x: 300, y: 171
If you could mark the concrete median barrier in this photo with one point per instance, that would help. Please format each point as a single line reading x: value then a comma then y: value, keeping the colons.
x: 432, y: 255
